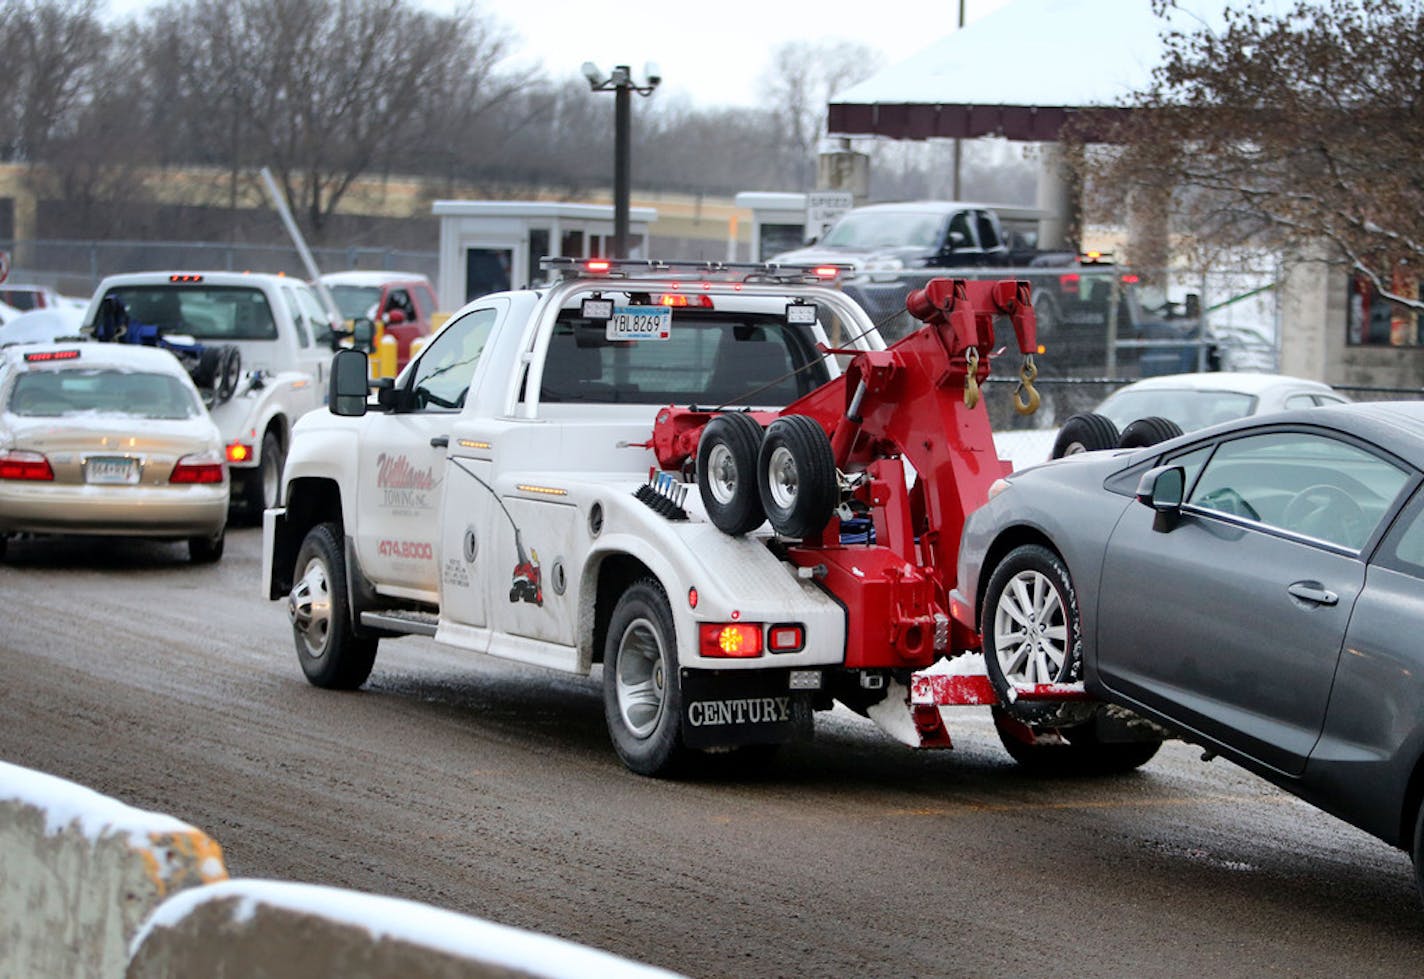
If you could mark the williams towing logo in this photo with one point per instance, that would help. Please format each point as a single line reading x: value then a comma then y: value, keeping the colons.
x: 402, y: 486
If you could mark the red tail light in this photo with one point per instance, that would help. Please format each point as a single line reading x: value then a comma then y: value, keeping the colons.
x: 1068, y: 282
x: 679, y: 299
x: 15, y: 464
x: 730, y: 640
x: 1130, y: 279
x: 204, y: 467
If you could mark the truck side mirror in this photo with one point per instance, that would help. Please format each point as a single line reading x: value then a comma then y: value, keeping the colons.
x: 363, y: 333
x: 349, y: 377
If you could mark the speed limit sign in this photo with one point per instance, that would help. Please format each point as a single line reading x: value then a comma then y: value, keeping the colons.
x: 4, y: 265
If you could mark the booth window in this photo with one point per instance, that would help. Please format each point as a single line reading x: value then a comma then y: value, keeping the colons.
x: 1373, y: 321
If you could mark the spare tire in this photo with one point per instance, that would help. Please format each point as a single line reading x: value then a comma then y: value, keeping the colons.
x: 229, y: 373
x: 205, y: 375
x: 1085, y: 432
x: 1148, y: 431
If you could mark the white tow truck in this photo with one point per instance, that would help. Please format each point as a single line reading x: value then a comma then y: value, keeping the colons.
x: 714, y: 480
x: 258, y: 346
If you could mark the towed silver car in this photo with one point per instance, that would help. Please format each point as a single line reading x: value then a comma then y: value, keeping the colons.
x: 1256, y: 588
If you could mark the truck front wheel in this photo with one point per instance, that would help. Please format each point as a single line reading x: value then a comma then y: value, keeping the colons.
x: 642, y: 696
x: 331, y: 655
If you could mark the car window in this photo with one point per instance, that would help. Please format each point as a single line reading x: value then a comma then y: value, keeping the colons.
x: 298, y: 317
x: 1190, y: 409
x: 424, y: 300
x: 441, y: 377
x: 1192, y: 462
x: 1300, y: 482
x: 1403, y: 550
x: 140, y: 394
x: 317, y: 319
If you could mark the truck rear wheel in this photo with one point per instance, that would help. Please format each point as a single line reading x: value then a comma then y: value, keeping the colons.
x: 796, y: 475
x: 726, y: 473
x: 642, y: 696
x: 331, y: 655
x: 262, y: 486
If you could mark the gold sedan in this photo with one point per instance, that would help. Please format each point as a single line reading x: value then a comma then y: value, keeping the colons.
x: 108, y: 439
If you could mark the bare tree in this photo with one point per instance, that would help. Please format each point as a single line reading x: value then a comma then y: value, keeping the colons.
x: 54, y: 55
x: 799, y: 84
x: 1289, y: 129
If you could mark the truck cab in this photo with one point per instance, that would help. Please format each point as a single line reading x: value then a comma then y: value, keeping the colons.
x: 258, y: 346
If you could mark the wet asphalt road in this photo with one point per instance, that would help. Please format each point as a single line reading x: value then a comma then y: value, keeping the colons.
x: 490, y: 789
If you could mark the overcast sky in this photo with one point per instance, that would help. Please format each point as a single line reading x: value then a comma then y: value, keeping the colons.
x: 714, y: 53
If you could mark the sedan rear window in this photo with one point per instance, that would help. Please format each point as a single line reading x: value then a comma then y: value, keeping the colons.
x: 1189, y: 409
x: 53, y: 394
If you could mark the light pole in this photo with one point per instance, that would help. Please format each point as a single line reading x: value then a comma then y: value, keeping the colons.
x: 622, y: 85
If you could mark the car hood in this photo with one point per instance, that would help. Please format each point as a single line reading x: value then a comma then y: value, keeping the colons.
x: 907, y: 256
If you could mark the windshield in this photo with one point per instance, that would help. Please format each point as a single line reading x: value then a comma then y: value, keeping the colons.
x: 709, y: 357
x: 356, y: 301
x: 1189, y: 409
x: 885, y: 229
x: 50, y: 394
x: 201, y: 311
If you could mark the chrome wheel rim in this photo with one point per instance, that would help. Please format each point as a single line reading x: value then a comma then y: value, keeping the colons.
x: 641, y: 680
x: 309, y: 608
x: 1030, y: 630
x: 782, y: 477
x: 722, y: 474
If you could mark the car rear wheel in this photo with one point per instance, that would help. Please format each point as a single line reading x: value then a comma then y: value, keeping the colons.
x: 1087, y: 432
x: 207, y: 550
x: 1072, y: 750
x: 642, y: 696
x: 330, y: 652
x: 796, y: 476
x: 1148, y: 431
x: 726, y: 473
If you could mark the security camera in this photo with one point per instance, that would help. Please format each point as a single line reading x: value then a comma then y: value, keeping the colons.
x: 652, y: 73
x: 591, y: 72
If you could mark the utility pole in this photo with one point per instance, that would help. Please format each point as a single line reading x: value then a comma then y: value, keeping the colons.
x: 956, y: 190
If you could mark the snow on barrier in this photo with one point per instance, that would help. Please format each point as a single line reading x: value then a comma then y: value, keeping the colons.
x: 279, y: 930
x: 79, y: 873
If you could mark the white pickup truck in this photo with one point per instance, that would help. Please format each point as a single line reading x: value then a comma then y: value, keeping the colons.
x: 283, y: 339
x: 498, y: 497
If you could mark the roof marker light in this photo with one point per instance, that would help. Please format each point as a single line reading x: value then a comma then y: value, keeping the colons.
x: 44, y: 356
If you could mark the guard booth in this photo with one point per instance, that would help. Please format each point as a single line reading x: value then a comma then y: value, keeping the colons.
x: 491, y: 246
x: 778, y: 222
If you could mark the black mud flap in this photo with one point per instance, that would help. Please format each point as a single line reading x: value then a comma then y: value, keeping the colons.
x: 730, y: 708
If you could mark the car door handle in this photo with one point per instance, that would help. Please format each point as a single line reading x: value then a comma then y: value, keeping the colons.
x: 440, y: 442
x: 1313, y: 591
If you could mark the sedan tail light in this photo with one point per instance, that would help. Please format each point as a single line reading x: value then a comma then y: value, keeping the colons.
x: 17, y: 464
x: 200, y: 467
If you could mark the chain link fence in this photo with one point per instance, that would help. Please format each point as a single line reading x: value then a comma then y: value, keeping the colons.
x: 74, y: 268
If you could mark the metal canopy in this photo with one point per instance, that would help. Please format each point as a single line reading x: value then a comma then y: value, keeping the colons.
x: 1021, y: 72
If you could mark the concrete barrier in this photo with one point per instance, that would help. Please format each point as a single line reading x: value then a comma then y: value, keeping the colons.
x: 80, y: 872
x: 278, y: 930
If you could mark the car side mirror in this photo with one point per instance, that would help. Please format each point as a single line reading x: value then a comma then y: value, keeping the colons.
x: 395, y: 317
x: 1163, y: 489
x: 350, y: 373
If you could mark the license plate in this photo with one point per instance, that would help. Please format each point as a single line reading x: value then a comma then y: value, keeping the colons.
x: 111, y: 470
x: 640, y: 323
